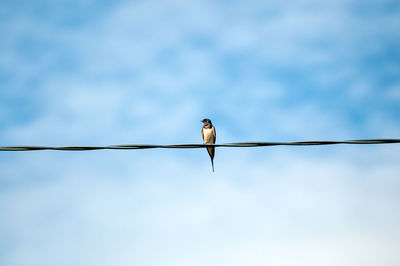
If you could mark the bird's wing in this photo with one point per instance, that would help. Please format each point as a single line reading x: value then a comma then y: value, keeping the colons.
x: 211, y: 152
x: 214, y: 134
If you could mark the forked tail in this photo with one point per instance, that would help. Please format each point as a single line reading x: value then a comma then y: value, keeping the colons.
x: 211, y: 152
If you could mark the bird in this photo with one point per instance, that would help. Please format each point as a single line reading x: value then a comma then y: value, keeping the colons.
x: 209, y: 136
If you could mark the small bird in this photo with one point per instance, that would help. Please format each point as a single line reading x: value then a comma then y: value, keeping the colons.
x: 209, y: 137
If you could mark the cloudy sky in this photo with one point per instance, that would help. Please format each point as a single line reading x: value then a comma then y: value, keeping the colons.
x: 85, y: 72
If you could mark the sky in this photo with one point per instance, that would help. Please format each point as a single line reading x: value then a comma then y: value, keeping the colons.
x: 86, y: 72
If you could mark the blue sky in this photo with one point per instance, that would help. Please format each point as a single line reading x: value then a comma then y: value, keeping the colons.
x: 119, y: 72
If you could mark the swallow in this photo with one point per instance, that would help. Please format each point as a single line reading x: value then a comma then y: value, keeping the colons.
x: 209, y: 137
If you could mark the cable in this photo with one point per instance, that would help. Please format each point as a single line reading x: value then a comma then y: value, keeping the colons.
x: 194, y: 146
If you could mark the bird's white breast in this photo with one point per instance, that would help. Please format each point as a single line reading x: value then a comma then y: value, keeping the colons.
x: 208, y: 135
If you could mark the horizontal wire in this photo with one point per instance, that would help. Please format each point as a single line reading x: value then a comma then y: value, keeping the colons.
x: 195, y: 146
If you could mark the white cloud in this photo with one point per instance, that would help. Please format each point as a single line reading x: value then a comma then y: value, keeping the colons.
x: 147, y: 72
x: 311, y: 209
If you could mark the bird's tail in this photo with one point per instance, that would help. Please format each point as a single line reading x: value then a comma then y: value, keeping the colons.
x: 211, y: 152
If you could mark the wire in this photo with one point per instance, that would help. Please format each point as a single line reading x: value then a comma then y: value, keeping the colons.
x: 194, y: 146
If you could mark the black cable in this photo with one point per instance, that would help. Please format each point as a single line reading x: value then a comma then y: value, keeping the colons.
x: 194, y: 146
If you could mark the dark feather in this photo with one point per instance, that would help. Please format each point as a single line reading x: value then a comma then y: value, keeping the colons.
x: 211, y: 152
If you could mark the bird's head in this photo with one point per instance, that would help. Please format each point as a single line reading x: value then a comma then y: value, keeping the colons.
x: 206, y: 121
